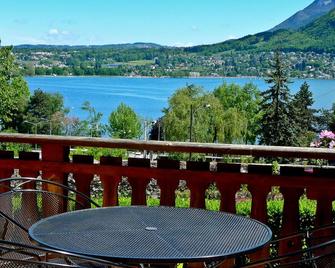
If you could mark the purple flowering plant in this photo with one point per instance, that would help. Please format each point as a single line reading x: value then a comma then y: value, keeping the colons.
x: 326, y: 139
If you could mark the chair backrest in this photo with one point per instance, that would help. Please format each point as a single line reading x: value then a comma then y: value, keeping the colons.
x: 29, y: 200
x: 317, y: 250
x: 317, y: 256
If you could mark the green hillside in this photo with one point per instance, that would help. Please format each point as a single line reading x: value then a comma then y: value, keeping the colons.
x: 319, y: 36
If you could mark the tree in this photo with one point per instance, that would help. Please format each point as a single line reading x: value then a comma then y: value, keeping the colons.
x: 72, y: 126
x: 277, y: 124
x: 92, y: 126
x: 124, y: 123
x: 326, y: 119
x: 193, y: 114
x: 305, y: 119
x: 241, y: 112
x: 47, y: 110
x: 14, y: 91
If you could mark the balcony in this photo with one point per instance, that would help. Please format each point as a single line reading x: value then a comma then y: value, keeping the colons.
x: 315, y: 182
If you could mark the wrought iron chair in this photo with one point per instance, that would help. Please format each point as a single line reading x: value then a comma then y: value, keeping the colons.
x: 317, y: 251
x: 32, y: 256
x: 28, y: 200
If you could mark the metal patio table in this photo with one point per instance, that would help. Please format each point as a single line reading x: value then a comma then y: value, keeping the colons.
x: 139, y: 234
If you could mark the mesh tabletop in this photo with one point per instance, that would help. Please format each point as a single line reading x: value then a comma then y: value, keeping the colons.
x: 151, y: 234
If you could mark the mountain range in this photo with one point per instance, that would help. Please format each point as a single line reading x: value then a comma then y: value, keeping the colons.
x: 317, y: 36
x: 309, y: 14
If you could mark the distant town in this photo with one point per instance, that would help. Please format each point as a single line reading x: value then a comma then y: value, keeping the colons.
x: 167, y: 62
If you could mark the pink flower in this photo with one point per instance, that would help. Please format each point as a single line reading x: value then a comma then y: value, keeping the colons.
x: 325, y: 134
x: 326, y: 140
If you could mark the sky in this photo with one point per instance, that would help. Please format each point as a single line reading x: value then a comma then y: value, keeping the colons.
x: 165, y: 22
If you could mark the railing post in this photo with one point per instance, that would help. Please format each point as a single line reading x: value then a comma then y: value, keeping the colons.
x: 196, y: 184
x: 291, y: 216
x: 168, y: 184
x: 55, y: 153
x: 5, y: 172
x: 83, y: 180
x: 259, y: 198
x: 227, y: 185
x: 110, y: 182
x: 139, y: 183
x: 30, y: 171
x: 59, y: 154
x: 259, y: 194
x: 324, y: 215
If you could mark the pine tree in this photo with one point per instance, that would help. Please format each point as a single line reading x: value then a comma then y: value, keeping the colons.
x: 304, y: 115
x: 277, y: 125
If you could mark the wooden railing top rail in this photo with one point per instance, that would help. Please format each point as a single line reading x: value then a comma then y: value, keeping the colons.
x: 167, y: 146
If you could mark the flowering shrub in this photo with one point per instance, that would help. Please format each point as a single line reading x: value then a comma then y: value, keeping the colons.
x: 326, y: 139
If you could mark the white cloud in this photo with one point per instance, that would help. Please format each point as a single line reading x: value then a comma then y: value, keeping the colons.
x: 53, y: 32
x: 57, y: 36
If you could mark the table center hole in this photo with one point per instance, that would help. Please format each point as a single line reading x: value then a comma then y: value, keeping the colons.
x: 151, y: 228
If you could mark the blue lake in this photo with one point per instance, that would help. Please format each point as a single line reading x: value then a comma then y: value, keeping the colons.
x: 148, y: 96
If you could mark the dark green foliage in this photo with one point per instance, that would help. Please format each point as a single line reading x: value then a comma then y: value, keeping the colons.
x: 326, y: 119
x: 46, y: 111
x: 305, y: 119
x: 303, y: 101
x: 277, y: 124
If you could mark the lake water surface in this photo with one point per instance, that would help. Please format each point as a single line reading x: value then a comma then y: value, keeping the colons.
x: 148, y: 96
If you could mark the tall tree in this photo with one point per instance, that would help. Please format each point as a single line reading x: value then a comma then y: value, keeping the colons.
x: 242, y: 113
x: 193, y: 114
x: 124, y: 123
x: 45, y: 110
x: 14, y: 91
x: 277, y: 124
x: 305, y: 119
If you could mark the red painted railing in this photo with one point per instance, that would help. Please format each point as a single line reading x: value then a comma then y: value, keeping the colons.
x: 55, y: 164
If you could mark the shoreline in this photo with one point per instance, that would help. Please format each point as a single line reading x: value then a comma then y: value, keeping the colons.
x: 147, y: 77
x: 169, y: 77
